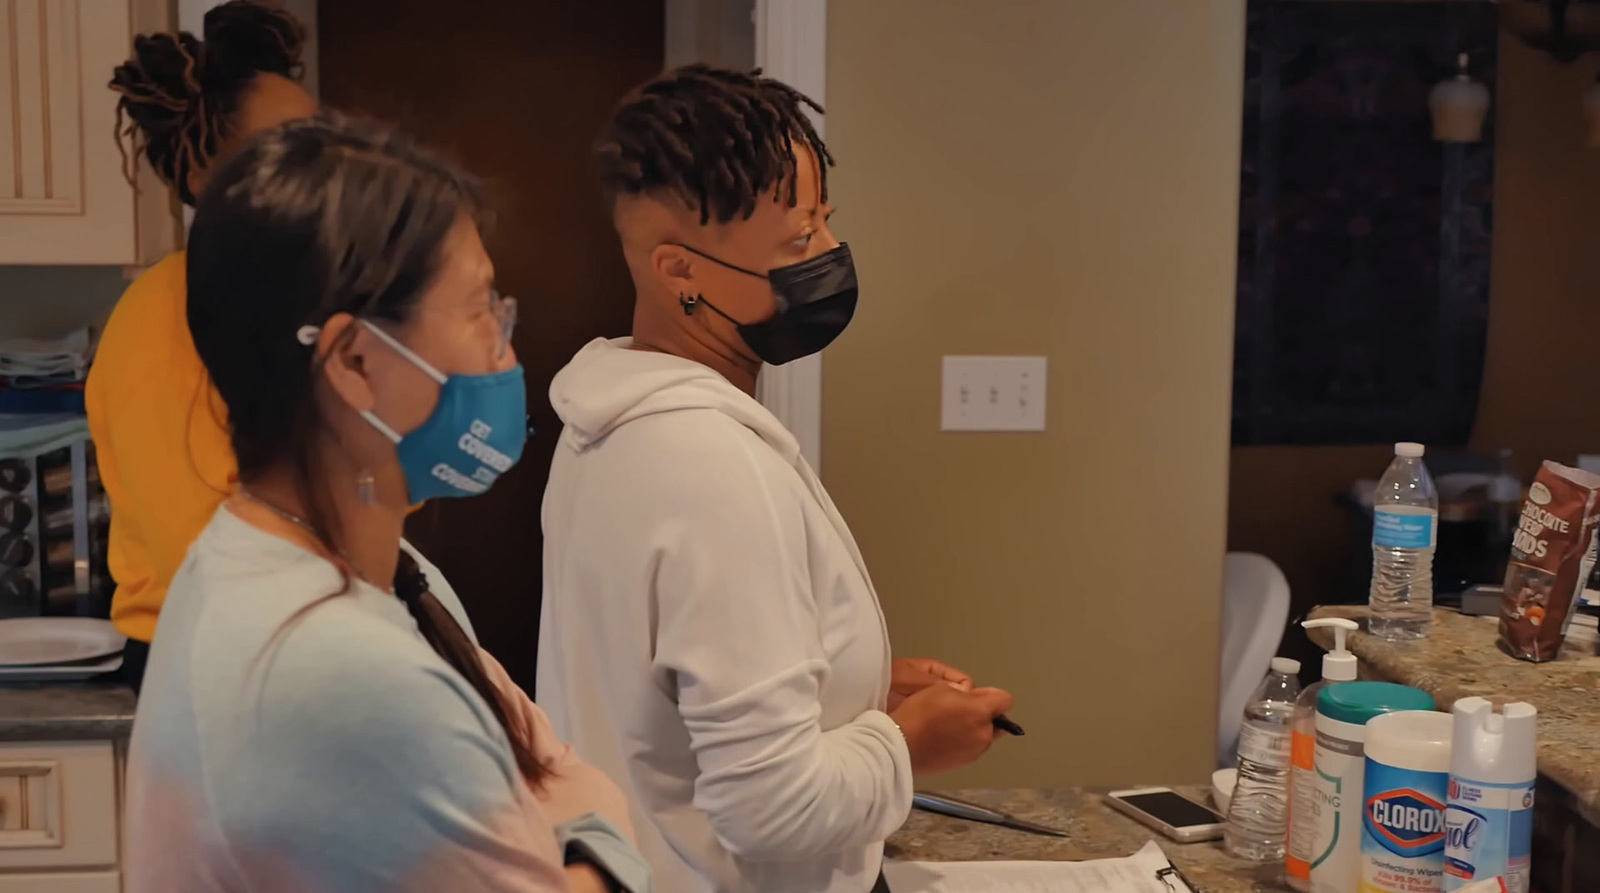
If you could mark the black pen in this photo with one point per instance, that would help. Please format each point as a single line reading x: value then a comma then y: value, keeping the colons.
x: 1004, y: 724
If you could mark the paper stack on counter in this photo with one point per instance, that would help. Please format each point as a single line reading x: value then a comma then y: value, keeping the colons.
x: 1144, y: 872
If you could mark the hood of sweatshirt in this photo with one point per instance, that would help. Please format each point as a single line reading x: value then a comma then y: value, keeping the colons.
x: 609, y: 384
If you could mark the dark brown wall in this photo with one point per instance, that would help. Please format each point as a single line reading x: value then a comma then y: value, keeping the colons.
x: 515, y: 90
x: 1541, y: 384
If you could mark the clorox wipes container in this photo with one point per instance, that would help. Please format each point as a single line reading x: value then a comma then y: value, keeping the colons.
x: 1343, y: 711
x: 1402, y: 816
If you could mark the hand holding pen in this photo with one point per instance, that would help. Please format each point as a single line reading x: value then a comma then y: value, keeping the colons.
x: 946, y: 728
x: 910, y: 680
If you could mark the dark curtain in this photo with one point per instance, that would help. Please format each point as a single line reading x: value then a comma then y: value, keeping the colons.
x: 1363, y: 244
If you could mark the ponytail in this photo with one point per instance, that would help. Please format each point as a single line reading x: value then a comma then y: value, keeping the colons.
x: 441, y: 631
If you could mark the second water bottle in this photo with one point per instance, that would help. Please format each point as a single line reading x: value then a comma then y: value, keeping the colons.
x: 1258, y: 814
x: 1405, y: 525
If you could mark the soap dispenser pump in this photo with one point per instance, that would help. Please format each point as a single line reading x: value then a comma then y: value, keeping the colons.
x: 1338, y: 665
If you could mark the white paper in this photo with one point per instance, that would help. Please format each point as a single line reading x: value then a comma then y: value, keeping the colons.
x: 1134, y: 874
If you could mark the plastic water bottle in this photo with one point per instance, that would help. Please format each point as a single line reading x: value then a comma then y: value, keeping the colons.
x: 1258, y: 816
x: 1405, y: 524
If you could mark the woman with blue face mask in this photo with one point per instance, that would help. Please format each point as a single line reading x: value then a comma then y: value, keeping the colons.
x: 313, y: 718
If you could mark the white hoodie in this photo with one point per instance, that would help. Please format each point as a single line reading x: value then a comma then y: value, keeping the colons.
x: 709, y: 636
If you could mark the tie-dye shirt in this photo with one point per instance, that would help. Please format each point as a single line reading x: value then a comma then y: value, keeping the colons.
x: 329, y: 750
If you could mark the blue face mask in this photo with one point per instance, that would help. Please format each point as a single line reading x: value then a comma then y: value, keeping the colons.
x: 476, y: 432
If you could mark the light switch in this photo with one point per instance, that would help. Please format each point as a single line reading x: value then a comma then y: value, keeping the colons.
x: 993, y: 394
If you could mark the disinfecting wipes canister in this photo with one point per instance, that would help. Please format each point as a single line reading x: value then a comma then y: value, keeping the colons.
x: 1402, y: 814
x: 1489, y: 819
x: 1343, y: 711
x: 1336, y: 803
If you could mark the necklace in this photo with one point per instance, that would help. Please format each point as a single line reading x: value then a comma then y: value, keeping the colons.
x: 291, y: 518
x: 301, y: 523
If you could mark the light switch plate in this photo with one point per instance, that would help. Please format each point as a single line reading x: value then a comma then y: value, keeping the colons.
x: 993, y: 394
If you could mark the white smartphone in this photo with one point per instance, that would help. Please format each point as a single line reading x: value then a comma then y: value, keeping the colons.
x: 1167, y: 811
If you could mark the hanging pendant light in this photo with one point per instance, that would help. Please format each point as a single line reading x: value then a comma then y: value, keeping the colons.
x: 1459, y: 107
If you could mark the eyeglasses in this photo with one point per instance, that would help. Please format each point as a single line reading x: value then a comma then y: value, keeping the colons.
x: 504, y: 310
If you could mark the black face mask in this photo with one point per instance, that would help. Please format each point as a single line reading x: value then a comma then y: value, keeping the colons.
x: 816, y: 299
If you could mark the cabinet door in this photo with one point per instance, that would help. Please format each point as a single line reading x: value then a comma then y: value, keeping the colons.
x: 72, y: 882
x: 64, y: 196
x: 58, y: 806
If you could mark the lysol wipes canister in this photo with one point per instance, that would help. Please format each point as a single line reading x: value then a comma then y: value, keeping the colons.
x: 1489, y: 819
x: 1402, y: 815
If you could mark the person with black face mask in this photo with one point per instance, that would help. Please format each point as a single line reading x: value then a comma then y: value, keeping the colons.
x: 710, y: 636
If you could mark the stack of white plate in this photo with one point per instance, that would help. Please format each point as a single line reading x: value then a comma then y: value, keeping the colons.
x: 59, y: 649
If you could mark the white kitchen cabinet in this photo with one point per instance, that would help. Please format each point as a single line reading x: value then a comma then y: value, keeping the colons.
x: 71, y: 882
x: 64, y: 197
x: 58, y: 806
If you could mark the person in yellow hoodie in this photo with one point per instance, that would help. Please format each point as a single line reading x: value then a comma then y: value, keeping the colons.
x: 159, y: 428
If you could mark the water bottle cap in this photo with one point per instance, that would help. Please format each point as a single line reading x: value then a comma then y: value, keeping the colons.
x: 1409, y: 450
x: 1288, y: 666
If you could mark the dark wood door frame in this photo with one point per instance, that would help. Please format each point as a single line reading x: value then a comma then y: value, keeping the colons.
x: 515, y: 90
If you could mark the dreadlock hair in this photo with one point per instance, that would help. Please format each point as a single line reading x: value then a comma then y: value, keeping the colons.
x: 716, y: 139
x: 179, y: 94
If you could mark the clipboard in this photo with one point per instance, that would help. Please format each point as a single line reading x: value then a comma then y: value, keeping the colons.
x: 1147, y: 871
x: 1174, y: 879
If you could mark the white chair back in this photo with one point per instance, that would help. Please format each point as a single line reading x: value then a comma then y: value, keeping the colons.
x: 1255, y: 609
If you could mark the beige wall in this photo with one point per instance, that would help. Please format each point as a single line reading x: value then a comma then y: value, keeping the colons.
x: 1541, y: 387
x: 716, y: 32
x: 1053, y: 177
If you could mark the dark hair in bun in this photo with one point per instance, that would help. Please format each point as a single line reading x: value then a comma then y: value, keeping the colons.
x: 179, y: 94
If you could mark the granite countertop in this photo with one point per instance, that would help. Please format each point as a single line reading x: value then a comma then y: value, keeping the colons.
x: 1460, y: 658
x: 65, y: 711
x: 1096, y: 833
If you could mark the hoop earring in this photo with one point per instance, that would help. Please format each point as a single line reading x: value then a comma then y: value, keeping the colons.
x: 366, y: 488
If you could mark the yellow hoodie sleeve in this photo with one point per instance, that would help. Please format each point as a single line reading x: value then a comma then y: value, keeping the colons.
x: 161, y: 439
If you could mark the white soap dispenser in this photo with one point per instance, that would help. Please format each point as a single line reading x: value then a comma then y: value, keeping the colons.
x: 1338, y: 665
